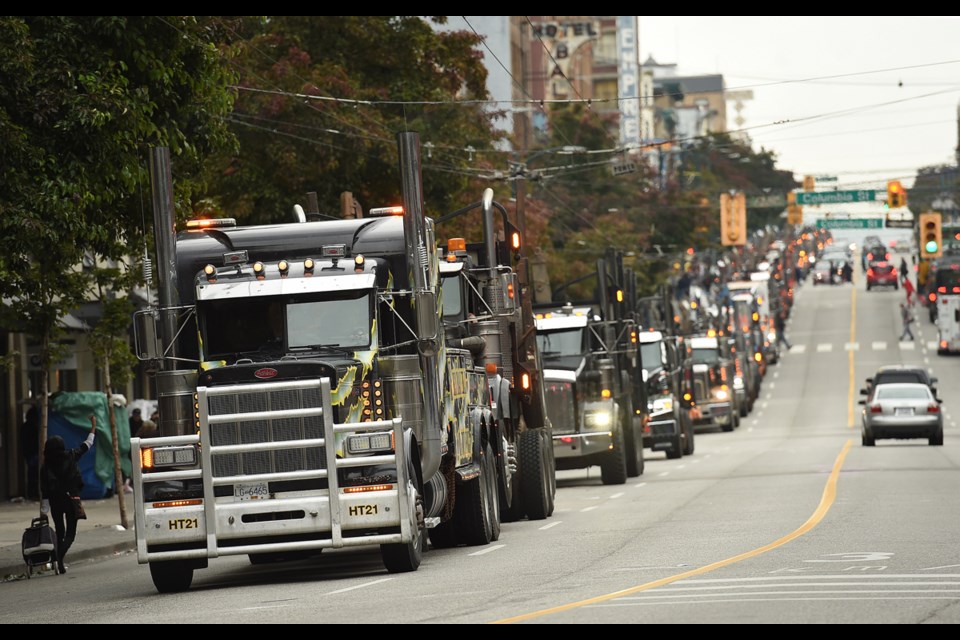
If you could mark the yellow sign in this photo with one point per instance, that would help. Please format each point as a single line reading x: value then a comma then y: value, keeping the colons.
x: 733, y: 219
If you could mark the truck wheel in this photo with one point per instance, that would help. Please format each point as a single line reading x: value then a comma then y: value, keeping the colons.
x: 634, y: 444
x: 473, y: 510
x: 688, y: 444
x: 613, y: 469
x: 508, y: 485
x: 550, y: 470
x: 171, y: 576
x: 403, y: 558
x: 535, y: 488
x: 444, y: 535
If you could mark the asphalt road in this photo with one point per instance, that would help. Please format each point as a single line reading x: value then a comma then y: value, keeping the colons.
x: 786, y: 520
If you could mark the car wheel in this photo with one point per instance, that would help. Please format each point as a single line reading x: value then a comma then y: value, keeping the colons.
x: 868, y: 439
x: 937, y: 439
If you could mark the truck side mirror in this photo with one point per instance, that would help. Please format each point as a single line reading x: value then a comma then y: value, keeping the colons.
x: 145, y: 337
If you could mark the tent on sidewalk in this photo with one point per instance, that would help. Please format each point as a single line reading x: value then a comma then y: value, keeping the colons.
x: 69, y: 418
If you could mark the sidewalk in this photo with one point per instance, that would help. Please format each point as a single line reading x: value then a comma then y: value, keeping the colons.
x: 99, y: 536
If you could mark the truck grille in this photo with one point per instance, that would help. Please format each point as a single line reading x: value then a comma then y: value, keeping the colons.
x: 267, y: 430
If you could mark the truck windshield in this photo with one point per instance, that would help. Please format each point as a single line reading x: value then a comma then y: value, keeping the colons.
x: 948, y: 278
x: 566, y: 342
x: 705, y: 356
x: 274, y: 324
x: 650, y: 355
x: 560, y: 406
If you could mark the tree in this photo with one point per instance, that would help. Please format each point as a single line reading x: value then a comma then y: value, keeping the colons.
x: 321, y: 100
x: 82, y: 98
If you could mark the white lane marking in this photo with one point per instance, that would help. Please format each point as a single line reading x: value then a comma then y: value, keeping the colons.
x: 769, y: 395
x: 763, y: 406
x: 824, y: 348
x: 773, y: 384
x: 932, y: 345
x: 946, y: 566
x: 642, y: 484
x: 926, y: 360
x: 851, y: 346
x: 551, y: 525
x: 359, y: 586
x: 776, y: 374
x: 708, y: 456
x: 755, y: 422
x: 487, y: 550
x: 879, y: 346
x: 749, y: 429
x: 759, y: 414
x: 798, y: 348
x: 697, y: 461
x: 585, y: 509
x: 616, y: 495
x: 663, y: 473
x: 908, y: 346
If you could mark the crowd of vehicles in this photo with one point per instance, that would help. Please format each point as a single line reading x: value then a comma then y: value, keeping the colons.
x: 369, y: 382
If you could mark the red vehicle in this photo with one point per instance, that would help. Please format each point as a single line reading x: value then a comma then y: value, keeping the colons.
x: 882, y: 273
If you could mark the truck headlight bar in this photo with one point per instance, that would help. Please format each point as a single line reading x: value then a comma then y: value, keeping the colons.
x: 370, y: 443
x: 158, y: 457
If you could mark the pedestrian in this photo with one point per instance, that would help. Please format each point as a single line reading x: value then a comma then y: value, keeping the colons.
x: 30, y: 450
x: 909, y: 289
x: 847, y: 272
x: 60, y: 485
x: 136, y: 422
x: 903, y: 267
x: 906, y: 314
x: 781, y: 325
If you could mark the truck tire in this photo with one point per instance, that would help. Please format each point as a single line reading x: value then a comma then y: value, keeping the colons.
x: 474, y: 512
x: 550, y: 469
x: 613, y: 469
x: 688, y: 443
x: 403, y: 558
x: 444, y: 535
x: 535, y: 488
x: 634, y: 445
x: 171, y: 576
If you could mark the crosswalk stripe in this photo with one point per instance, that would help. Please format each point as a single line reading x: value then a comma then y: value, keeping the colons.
x: 879, y: 346
x: 852, y: 346
x: 908, y: 346
x: 932, y: 346
x: 823, y: 348
x: 798, y: 348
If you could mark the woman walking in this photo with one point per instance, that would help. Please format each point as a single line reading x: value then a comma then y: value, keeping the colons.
x: 60, y: 485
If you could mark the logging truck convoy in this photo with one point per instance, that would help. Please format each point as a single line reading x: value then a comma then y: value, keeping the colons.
x: 312, y: 396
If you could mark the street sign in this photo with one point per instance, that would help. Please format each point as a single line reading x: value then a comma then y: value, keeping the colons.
x: 825, y: 178
x: 836, y: 197
x: 621, y: 168
x: 850, y: 223
x: 898, y: 223
x: 770, y: 201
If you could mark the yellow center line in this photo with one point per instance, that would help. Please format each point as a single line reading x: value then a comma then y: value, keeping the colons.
x: 826, y: 501
x: 853, y: 338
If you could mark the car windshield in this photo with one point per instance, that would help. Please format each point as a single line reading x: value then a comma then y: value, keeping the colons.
x: 900, y: 376
x: 903, y: 393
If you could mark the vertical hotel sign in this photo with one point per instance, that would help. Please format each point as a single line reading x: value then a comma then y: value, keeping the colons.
x: 628, y: 87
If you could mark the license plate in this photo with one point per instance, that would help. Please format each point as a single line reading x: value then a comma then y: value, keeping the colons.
x: 903, y: 411
x: 257, y: 491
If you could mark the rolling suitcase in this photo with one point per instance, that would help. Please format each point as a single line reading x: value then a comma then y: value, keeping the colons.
x: 39, y: 544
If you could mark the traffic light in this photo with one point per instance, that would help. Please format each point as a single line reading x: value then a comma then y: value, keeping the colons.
x: 809, y: 183
x: 931, y: 235
x: 896, y: 194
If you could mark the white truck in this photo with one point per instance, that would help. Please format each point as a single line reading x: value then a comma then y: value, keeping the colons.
x: 948, y: 324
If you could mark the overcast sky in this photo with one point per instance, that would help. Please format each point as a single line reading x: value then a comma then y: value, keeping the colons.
x: 878, y: 121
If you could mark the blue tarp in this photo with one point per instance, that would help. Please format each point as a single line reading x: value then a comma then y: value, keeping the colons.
x: 69, y: 418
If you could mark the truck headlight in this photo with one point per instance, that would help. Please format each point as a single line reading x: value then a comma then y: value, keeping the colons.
x: 720, y: 394
x: 598, y: 420
x: 154, y: 458
x: 662, y: 405
x: 738, y: 382
x: 370, y: 443
x: 772, y: 337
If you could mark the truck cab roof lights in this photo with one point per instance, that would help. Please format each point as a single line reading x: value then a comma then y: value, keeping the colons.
x: 358, y: 263
x: 457, y: 245
x: 386, y: 211
x: 211, y: 223
x: 308, y: 266
x: 211, y: 272
x: 259, y: 270
x: 284, y: 267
